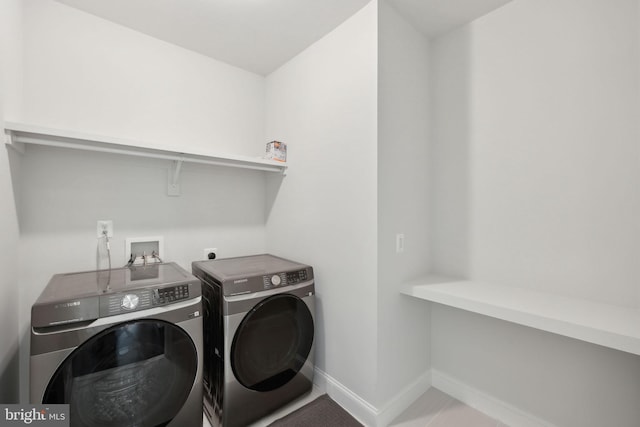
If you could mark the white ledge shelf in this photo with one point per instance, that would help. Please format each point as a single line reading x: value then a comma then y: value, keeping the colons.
x: 612, y: 326
x: 20, y: 133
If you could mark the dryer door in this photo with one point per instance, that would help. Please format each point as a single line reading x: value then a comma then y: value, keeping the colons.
x: 137, y: 373
x: 272, y: 342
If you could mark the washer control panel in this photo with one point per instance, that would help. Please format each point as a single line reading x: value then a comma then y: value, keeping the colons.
x: 141, y: 299
x: 170, y: 294
x: 134, y: 300
x: 130, y: 302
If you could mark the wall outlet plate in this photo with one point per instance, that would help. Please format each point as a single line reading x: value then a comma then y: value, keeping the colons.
x: 399, y: 243
x: 207, y: 251
x: 104, y: 225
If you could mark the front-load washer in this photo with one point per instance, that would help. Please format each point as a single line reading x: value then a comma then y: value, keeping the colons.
x: 122, y: 347
x: 258, y: 335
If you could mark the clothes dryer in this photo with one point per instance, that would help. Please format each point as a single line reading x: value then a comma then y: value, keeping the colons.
x: 258, y: 333
x: 122, y: 347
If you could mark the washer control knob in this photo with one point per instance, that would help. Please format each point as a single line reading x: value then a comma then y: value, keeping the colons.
x: 276, y: 280
x: 130, y: 301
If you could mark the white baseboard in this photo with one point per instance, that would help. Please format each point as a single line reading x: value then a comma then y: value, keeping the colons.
x: 359, y: 408
x: 392, y: 409
x: 362, y: 410
x: 484, y: 402
x: 371, y: 416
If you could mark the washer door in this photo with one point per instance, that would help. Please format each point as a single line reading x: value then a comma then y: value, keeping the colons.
x: 137, y: 373
x: 272, y: 343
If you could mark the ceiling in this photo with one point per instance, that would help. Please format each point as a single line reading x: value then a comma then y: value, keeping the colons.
x: 261, y: 35
x: 435, y: 17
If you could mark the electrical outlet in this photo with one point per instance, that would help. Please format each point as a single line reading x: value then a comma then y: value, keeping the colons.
x: 104, y: 225
x: 207, y: 251
x: 399, y: 243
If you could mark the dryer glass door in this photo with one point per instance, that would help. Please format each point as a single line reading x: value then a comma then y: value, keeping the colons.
x: 137, y: 373
x: 272, y: 343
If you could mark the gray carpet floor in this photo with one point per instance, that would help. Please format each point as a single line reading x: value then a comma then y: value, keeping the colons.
x: 322, y: 412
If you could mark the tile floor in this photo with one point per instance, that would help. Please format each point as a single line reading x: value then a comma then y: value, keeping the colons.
x: 432, y: 409
x: 282, y: 412
x: 437, y: 409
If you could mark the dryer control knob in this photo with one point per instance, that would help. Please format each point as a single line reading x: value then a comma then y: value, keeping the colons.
x: 130, y: 301
x: 276, y: 280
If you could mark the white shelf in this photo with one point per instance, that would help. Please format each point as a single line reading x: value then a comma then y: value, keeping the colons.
x: 608, y: 325
x: 20, y: 133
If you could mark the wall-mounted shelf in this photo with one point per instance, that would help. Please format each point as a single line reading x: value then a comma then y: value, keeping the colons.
x: 608, y: 325
x: 19, y: 134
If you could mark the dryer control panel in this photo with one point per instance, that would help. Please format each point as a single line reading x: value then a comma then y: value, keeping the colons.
x: 294, y: 277
x: 250, y: 274
x: 283, y: 279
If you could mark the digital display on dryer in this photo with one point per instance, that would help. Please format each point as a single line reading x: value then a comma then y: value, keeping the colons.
x: 294, y: 277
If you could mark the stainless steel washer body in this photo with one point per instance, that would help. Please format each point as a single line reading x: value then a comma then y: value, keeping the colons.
x: 122, y: 347
x: 259, y: 335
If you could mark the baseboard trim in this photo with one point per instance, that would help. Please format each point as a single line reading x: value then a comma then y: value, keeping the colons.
x: 396, y: 406
x: 371, y: 416
x: 359, y: 408
x: 484, y: 402
x: 362, y: 410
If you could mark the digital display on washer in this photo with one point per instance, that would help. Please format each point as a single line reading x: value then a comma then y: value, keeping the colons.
x: 170, y: 294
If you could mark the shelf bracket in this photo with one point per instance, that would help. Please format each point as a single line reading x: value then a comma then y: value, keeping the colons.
x: 12, y: 141
x: 173, y: 188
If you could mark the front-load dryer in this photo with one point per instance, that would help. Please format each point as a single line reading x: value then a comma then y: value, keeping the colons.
x: 258, y: 334
x: 122, y: 347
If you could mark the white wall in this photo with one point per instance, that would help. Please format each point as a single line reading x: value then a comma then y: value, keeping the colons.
x: 449, y: 224
x: 547, y: 105
x: 10, y: 93
x: 323, y: 105
x: 403, y: 182
x: 86, y: 74
x: 537, y: 141
x: 565, y: 382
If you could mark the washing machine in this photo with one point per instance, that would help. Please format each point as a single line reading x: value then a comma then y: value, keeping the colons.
x: 258, y: 335
x: 122, y: 347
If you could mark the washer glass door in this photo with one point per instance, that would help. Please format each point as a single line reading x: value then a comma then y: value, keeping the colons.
x: 137, y: 373
x: 272, y: 343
